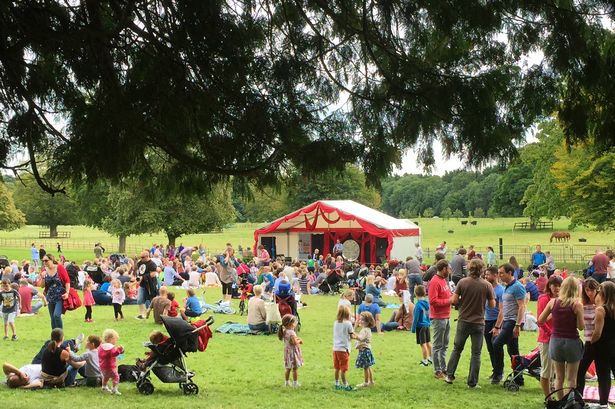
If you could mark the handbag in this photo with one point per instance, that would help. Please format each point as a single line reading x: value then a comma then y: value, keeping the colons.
x: 572, y: 400
x: 273, y: 313
x: 72, y: 302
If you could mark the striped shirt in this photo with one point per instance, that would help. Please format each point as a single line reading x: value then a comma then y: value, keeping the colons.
x: 303, y: 283
x: 589, y: 314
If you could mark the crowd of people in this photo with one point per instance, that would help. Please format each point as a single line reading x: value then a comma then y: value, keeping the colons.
x: 491, y: 301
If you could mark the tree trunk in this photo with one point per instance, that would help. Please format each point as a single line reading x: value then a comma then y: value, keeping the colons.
x: 172, y: 237
x: 53, y: 231
x: 122, y: 244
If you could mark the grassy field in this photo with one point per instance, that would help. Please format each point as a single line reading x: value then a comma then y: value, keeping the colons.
x: 247, y: 371
x: 16, y: 244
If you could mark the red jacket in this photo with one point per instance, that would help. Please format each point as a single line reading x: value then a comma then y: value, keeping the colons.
x: 439, y: 298
x: 107, y: 354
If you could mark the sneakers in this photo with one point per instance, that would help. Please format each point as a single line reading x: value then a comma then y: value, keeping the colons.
x: 79, y: 341
x: 477, y: 386
x: 296, y: 385
x: 430, y: 361
x: 424, y: 362
x: 105, y: 389
x: 496, y: 379
x: 6, y: 337
x: 140, y: 317
x: 115, y: 391
x: 347, y: 388
x: 363, y: 385
x: 449, y: 379
x: 14, y: 337
x: 439, y: 375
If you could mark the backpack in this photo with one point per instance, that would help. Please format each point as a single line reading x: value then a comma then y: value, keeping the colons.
x: 128, y: 373
x: 572, y: 400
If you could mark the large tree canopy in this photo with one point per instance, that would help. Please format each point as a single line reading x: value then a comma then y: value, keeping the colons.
x: 10, y: 217
x: 244, y: 88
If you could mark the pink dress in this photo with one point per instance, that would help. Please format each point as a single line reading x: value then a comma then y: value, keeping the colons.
x: 88, y: 299
x: 292, y: 353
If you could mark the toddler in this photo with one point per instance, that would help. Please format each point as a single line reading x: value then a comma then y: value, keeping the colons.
x: 365, y: 359
x: 117, y: 298
x: 174, y: 305
x: 10, y: 305
x: 421, y: 324
x: 107, y: 356
x: 293, y: 359
x: 342, y: 334
x: 88, y: 300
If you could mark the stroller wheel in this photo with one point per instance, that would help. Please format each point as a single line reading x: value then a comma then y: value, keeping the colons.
x: 512, y: 387
x: 191, y: 389
x: 145, y: 387
x: 506, y: 383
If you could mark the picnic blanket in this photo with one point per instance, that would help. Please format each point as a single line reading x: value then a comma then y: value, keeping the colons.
x: 590, y: 394
x: 392, y: 306
x: 237, y: 329
x: 217, y: 309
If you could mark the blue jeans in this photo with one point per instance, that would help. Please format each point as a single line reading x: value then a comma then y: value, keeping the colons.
x: 389, y: 326
x: 55, y: 312
x: 262, y: 327
x: 507, y: 338
x: 414, y: 280
x: 70, y: 377
x: 489, y: 324
x: 599, y: 277
x: 36, y: 307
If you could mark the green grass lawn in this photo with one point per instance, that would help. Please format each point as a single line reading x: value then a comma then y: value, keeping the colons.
x: 247, y: 371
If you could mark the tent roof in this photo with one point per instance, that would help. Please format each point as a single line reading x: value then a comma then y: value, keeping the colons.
x: 350, y: 214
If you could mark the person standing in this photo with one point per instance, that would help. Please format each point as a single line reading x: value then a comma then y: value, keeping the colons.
x: 544, y: 334
x: 34, y: 256
x: 440, y: 313
x: 508, y: 325
x: 98, y: 251
x: 148, y: 285
x: 601, y: 264
x: 471, y: 252
x: 338, y: 249
x: 565, y: 346
x: 228, y: 273
x: 41, y: 252
x: 458, y: 266
x: 603, y: 339
x: 538, y: 258
x: 415, y: 275
x: 588, y: 295
x: 475, y: 292
x: 491, y: 314
x: 57, y: 286
x: 419, y: 253
x: 59, y: 247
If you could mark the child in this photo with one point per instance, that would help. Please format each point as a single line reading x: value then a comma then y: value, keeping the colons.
x: 10, y: 304
x: 107, y: 355
x: 342, y: 334
x: 127, y: 291
x: 365, y: 359
x: 132, y: 293
x: 174, y: 305
x: 346, y: 298
x: 193, y: 306
x: 88, y: 300
x: 293, y: 359
x: 155, y: 338
x: 421, y: 323
x: 92, y: 366
x: 118, y: 297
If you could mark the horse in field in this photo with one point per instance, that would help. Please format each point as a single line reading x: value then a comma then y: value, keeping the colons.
x: 560, y: 236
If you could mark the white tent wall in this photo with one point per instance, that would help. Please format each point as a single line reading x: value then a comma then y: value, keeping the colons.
x: 404, y: 247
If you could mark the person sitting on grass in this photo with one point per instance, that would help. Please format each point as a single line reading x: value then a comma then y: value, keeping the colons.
x: 91, y: 370
x: 160, y: 306
x: 193, y: 305
x: 174, y: 307
x: 257, y: 315
x: 26, y: 293
x: 374, y: 309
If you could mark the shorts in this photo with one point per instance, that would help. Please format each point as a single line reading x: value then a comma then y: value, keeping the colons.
x: 565, y: 349
x: 51, y: 381
x: 227, y: 288
x: 423, y: 335
x: 546, y: 364
x: 141, y: 298
x: 9, y: 317
x: 340, y: 360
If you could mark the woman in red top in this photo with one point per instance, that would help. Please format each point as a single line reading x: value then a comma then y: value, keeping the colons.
x: 544, y: 333
x: 57, y: 286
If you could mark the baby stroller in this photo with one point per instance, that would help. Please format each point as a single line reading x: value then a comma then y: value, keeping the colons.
x: 167, y: 359
x: 528, y: 365
x: 246, y: 293
x: 331, y: 285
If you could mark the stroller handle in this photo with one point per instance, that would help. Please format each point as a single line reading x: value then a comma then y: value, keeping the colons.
x: 208, y: 322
